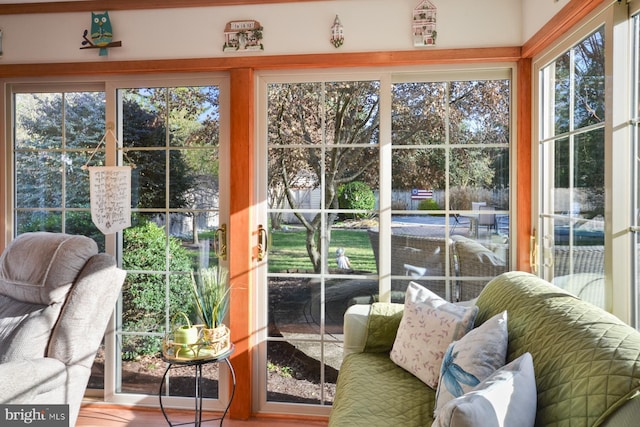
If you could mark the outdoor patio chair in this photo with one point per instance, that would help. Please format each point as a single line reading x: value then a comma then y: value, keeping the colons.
x: 419, y: 257
x: 476, y: 260
x: 487, y: 218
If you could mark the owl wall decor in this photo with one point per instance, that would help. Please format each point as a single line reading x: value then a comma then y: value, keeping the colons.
x: 101, y: 34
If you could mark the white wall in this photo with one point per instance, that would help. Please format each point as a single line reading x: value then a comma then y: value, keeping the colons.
x: 289, y: 28
x: 536, y: 13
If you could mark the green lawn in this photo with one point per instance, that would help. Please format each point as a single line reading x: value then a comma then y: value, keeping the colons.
x: 288, y: 251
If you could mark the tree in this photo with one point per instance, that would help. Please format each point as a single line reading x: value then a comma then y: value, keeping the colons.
x: 146, y: 129
x: 189, y: 117
x: 321, y: 133
x: 580, y: 71
x: 467, y: 114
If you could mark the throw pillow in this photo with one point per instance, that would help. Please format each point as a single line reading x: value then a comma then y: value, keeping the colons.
x: 472, y: 359
x: 507, y: 398
x: 429, y: 324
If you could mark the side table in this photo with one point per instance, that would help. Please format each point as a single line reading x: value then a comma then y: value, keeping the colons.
x: 197, y: 364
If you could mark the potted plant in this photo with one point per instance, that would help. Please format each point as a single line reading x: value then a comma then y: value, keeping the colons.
x: 211, y: 297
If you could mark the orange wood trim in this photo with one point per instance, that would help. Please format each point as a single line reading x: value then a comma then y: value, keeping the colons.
x: 98, y: 5
x: 240, y: 236
x: 523, y: 166
x: 568, y: 16
x: 328, y: 60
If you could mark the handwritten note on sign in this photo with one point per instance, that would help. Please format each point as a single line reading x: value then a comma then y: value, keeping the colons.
x: 110, y: 197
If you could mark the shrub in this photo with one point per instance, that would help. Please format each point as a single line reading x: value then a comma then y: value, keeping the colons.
x: 428, y: 205
x: 356, y: 195
x: 144, y: 293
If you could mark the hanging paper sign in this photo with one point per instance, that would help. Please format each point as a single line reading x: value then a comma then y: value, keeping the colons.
x: 110, y: 197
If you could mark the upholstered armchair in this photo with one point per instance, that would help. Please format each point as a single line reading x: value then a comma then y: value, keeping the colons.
x: 57, y: 294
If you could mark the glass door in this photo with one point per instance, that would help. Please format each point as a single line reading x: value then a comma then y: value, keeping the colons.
x: 369, y: 183
x: 322, y: 172
x: 572, y: 169
x: 174, y: 138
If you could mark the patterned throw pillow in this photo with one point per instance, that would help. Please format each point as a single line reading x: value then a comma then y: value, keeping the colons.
x: 507, y: 397
x: 429, y: 324
x: 472, y: 359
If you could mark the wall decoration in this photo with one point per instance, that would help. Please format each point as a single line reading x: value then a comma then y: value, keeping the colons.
x: 110, y: 195
x: 101, y: 34
x: 109, y: 190
x: 337, y: 33
x: 243, y: 35
x: 424, y: 24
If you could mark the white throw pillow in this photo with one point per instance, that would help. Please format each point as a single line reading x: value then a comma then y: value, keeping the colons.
x: 429, y: 324
x: 473, y: 358
x: 506, y: 399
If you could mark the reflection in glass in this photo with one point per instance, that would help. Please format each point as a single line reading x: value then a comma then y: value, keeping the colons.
x: 562, y: 95
x: 589, y: 81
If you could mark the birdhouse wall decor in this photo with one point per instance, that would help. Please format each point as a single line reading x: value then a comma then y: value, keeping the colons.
x: 424, y: 24
x: 243, y: 35
x: 101, y: 36
x: 337, y: 33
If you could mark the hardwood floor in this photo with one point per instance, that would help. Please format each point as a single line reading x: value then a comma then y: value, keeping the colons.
x: 97, y: 415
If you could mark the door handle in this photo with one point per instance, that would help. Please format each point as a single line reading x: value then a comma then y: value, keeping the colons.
x: 533, y: 253
x: 263, y: 242
x: 220, y: 242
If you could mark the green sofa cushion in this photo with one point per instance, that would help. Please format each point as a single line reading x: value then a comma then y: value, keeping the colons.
x: 382, y: 326
x: 372, y: 380
x: 587, y: 361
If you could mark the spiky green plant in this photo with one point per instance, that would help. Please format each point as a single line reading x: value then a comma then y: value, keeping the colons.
x: 211, y: 295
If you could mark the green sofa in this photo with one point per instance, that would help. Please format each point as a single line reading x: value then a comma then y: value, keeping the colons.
x: 586, y: 361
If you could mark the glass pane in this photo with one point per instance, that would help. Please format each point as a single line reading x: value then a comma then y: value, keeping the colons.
x: 589, y: 75
x: 140, y: 375
x: 77, y: 180
x: 144, y: 117
x: 483, y: 172
x: 288, y: 125
x: 439, y: 287
x: 39, y: 121
x: 38, y: 221
x: 79, y: 222
x: 148, y: 179
x: 290, y: 306
x: 84, y: 119
x: 350, y: 246
x: 293, y: 378
x: 588, y: 173
x: 143, y: 303
x: 419, y: 113
x: 38, y: 179
x: 561, y: 170
x: 479, y: 112
x: 420, y: 169
x: 562, y: 93
x: 182, y: 180
x: 356, y: 199
x: 193, y: 115
x: 352, y: 115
